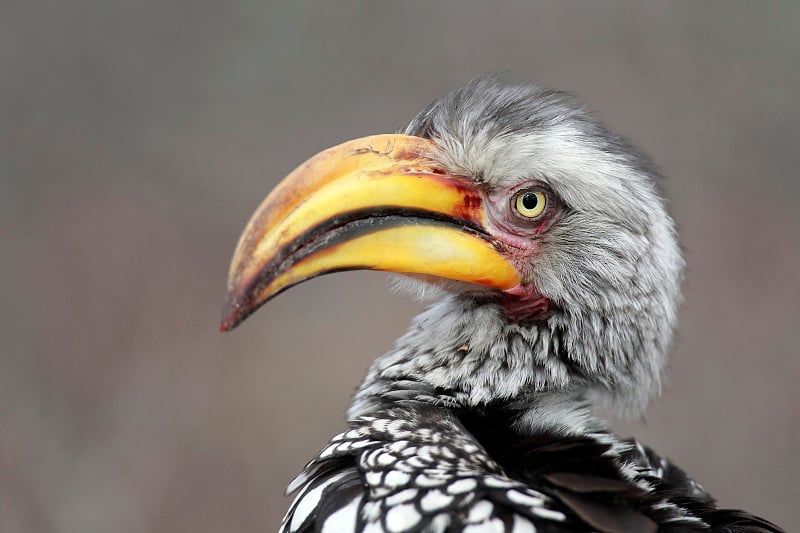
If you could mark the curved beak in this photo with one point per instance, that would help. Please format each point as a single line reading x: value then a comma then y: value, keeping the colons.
x: 376, y: 203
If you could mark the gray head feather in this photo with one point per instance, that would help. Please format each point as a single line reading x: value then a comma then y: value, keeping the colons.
x: 610, y: 264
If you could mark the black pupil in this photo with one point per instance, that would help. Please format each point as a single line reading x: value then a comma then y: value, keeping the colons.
x: 529, y: 200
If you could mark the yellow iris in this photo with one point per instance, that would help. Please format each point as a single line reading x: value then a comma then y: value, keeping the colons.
x: 530, y: 204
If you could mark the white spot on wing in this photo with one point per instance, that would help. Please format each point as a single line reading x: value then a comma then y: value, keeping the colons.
x: 308, y: 502
x: 462, y: 485
x: 381, y: 425
x: 447, y: 452
x: 426, y: 481
x: 524, y: 499
x: 522, y: 525
x: 353, y: 434
x: 402, y: 517
x: 417, y: 462
x: 373, y: 478
x: 440, y: 522
x: 424, y: 453
x: 549, y: 514
x: 396, y: 479
x: 409, y: 451
x: 434, y: 500
x: 398, y: 446
x: 396, y: 427
x: 344, y: 519
x: 401, y: 497
x: 385, y: 459
x: 298, y: 482
x: 324, y: 454
x: 480, y: 512
x: 498, y: 482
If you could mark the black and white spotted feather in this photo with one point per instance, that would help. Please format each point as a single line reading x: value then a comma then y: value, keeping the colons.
x: 418, y: 468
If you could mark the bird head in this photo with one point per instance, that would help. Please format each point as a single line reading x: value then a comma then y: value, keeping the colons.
x: 553, y: 255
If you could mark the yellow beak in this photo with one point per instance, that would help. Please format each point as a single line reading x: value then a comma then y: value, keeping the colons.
x: 377, y: 203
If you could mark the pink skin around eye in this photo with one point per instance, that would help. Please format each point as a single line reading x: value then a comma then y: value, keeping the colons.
x: 523, y: 302
x: 514, y: 230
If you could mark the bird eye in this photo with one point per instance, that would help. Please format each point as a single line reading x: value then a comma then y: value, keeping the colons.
x: 530, y: 204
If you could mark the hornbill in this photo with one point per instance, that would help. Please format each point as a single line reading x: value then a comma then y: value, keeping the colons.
x: 556, y: 275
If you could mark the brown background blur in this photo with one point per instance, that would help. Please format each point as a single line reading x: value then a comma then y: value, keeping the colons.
x: 137, y: 137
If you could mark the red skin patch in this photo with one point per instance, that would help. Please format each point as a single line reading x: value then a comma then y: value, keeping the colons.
x: 525, y: 304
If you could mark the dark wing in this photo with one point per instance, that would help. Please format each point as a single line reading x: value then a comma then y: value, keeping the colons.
x: 669, y: 479
x: 610, y: 483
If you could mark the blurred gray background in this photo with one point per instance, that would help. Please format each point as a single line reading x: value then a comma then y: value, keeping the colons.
x: 137, y: 137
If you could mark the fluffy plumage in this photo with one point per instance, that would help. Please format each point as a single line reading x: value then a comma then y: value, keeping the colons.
x: 478, y: 421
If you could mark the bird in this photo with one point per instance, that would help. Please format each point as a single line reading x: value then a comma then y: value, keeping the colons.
x: 552, y: 269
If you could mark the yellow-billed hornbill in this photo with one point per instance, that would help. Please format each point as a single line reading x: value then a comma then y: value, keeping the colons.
x: 557, y: 274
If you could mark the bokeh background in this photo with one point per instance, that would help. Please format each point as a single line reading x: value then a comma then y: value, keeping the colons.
x: 137, y: 137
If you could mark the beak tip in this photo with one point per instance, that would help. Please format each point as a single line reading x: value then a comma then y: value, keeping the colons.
x: 233, y: 313
x: 244, y: 296
x: 227, y: 324
x: 229, y: 321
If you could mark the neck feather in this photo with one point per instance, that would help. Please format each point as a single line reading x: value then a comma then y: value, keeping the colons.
x: 462, y: 353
